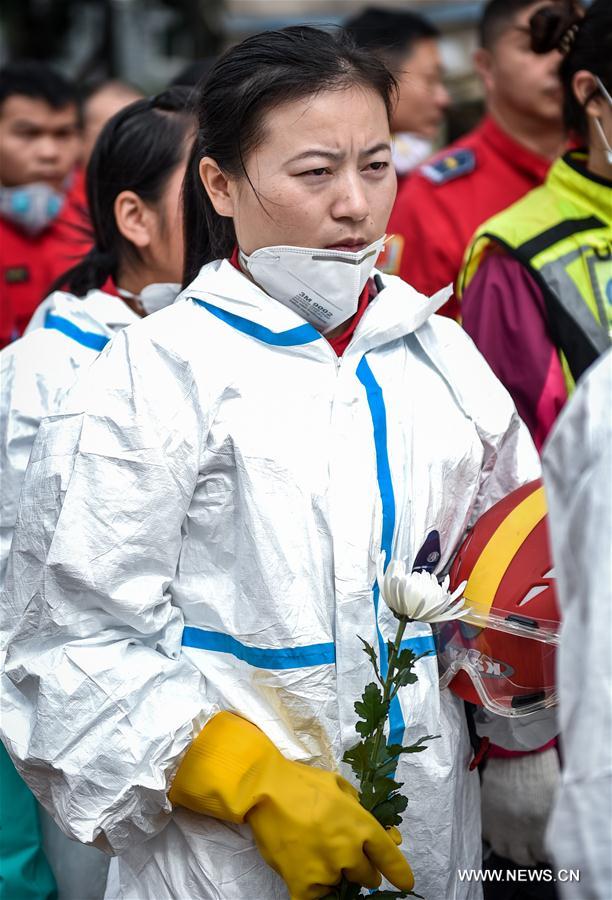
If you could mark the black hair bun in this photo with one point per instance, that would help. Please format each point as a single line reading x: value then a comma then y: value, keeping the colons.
x: 554, y: 27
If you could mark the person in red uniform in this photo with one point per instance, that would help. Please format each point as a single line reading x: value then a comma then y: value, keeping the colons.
x: 42, y: 218
x: 439, y: 208
x: 408, y: 45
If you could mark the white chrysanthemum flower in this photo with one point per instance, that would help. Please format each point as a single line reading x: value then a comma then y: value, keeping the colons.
x: 418, y: 595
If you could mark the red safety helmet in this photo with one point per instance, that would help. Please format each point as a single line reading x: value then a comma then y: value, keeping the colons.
x: 502, y: 654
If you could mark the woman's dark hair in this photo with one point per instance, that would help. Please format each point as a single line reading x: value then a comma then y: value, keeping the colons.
x: 585, y: 39
x: 248, y: 81
x: 137, y: 150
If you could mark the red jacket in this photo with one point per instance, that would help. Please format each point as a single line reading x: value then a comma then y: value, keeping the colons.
x: 441, y: 205
x: 29, y: 265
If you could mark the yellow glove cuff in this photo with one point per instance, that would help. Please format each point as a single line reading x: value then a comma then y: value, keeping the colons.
x: 221, y: 770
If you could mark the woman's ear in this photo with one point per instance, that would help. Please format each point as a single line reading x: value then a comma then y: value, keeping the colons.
x: 585, y: 86
x: 217, y: 186
x: 133, y: 218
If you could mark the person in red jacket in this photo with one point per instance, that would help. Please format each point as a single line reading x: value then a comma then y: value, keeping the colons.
x: 42, y: 221
x: 439, y: 208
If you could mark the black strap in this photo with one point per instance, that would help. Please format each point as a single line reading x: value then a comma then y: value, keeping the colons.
x: 557, y: 233
x: 479, y: 745
x: 564, y: 333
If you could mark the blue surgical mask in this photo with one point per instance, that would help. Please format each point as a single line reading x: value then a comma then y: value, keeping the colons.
x: 31, y: 207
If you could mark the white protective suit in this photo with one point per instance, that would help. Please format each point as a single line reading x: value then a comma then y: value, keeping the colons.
x: 578, y: 479
x: 66, y: 333
x: 199, y: 531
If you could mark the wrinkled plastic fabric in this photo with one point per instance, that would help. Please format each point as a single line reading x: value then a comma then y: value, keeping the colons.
x: 36, y: 371
x: 577, y: 460
x: 199, y: 531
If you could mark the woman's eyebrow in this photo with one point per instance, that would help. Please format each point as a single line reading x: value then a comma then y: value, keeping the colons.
x: 336, y: 156
x: 318, y: 151
x: 383, y: 145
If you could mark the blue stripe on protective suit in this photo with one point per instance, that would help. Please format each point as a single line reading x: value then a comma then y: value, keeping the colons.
x: 260, y: 657
x: 420, y: 645
x: 378, y: 412
x: 303, y: 334
x: 86, y: 338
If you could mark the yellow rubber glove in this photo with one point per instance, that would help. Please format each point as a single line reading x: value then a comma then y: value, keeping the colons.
x: 307, y: 823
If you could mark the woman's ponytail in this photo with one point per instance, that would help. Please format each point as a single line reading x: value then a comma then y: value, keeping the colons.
x: 92, y: 272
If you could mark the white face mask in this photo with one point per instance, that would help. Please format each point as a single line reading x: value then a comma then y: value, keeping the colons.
x: 599, y: 126
x: 322, y: 286
x: 409, y: 150
x: 154, y: 296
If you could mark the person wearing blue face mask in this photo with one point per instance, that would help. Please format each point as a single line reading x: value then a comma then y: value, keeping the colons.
x: 41, y: 203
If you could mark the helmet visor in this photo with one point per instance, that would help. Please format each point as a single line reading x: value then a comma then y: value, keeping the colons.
x: 510, y: 662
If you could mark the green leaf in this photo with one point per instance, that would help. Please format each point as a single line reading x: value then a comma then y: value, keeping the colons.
x: 386, y: 761
x: 406, y: 659
x: 382, y: 754
x: 358, y: 758
x: 406, y: 677
x: 372, y: 709
x: 375, y: 792
x: 388, y: 755
x: 389, y: 811
x: 371, y: 653
x: 387, y: 768
x: 394, y: 750
x: 420, y: 745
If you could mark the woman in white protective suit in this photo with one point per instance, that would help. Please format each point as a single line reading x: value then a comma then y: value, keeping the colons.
x: 133, y: 186
x: 198, y: 531
x: 133, y: 190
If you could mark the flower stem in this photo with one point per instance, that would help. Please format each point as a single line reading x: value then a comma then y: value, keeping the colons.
x: 387, y: 688
x: 396, y: 649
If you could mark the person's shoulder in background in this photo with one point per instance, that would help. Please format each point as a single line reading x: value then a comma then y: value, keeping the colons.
x: 426, y: 238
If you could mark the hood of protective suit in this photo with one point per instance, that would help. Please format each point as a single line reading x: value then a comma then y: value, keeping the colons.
x: 96, y: 313
x: 396, y: 311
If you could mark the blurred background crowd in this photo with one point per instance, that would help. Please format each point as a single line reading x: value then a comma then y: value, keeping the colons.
x: 104, y: 55
x: 150, y: 43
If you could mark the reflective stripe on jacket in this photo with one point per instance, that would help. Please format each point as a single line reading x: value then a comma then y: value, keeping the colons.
x: 562, y: 234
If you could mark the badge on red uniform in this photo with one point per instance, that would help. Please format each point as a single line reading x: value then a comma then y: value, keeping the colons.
x: 16, y: 275
x: 449, y: 167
